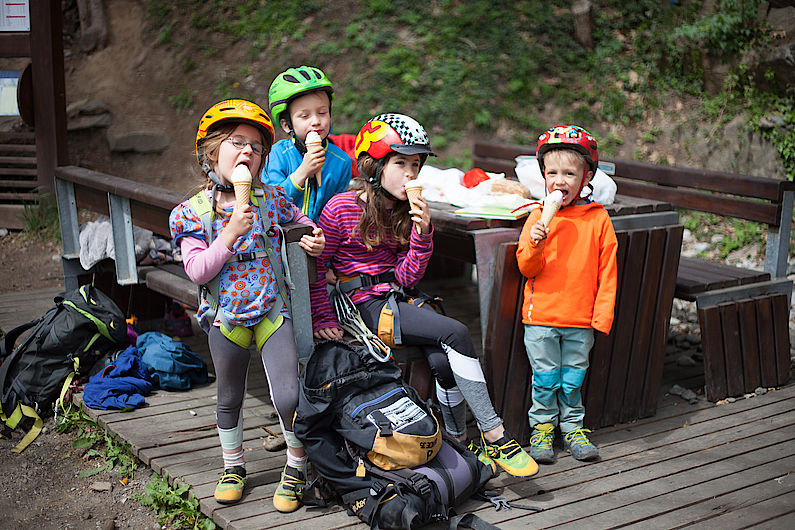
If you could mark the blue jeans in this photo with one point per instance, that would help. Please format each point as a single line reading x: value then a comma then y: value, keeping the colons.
x: 559, y: 359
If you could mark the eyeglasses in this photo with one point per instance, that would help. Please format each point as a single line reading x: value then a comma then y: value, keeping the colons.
x: 239, y: 142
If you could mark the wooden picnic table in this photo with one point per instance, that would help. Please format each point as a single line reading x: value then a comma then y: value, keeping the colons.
x: 626, y: 366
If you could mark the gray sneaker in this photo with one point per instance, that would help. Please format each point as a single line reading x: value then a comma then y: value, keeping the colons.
x: 541, y: 443
x: 579, y: 446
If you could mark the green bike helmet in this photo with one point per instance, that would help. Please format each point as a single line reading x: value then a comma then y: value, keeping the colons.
x: 293, y: 83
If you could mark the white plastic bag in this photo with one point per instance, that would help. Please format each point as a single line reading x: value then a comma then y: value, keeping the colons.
x: 96, y: 242
x: 529, y: 174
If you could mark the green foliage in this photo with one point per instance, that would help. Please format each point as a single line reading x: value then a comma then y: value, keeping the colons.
x: 184, y: 99
x: 97, y: 443
x: 177, y: 507
x: 736, y: 233
x: 41, y: 219
x: 482, y: 66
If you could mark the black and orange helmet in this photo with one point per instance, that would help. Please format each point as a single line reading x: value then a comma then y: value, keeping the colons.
x: 234, y: 111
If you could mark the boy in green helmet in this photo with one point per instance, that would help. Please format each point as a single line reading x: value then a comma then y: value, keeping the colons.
x: 300, y: 102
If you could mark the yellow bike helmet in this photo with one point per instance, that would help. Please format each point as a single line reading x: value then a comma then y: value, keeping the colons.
x: 234, y: 111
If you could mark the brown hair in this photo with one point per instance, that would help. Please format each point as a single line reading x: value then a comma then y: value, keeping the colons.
x: 211, y: 145
x: 376, y: 223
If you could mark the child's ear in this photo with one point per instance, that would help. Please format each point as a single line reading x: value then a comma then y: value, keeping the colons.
x: 284, y: 126
x: 587, y: 178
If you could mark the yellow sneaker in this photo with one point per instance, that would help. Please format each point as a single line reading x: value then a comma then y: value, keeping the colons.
x: 476, y: 448
x: 510, y: 456
x: 290, y: 490
x: 230, y: 486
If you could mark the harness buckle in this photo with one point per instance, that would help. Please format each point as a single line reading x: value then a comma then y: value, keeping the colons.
x: 245, y: 256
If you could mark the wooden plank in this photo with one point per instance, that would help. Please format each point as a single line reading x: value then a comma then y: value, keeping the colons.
x: 649, y: 467
x: 760, y: 212
x: 496, y: 347
x: 665, y: 296
x: 631, y: 284
x: 19, y: 196
x: 749, y: 344
x: 712, y: 346
x: 12, y: 216
x: 655, y: 510
x: 705, y: 179
x: 781, y: 310
x: 601, y: 355
x: 15, y: 44
x: 764, y: 501
x: 644, y: 328
x: 730, y: 326
x: 767, y: 359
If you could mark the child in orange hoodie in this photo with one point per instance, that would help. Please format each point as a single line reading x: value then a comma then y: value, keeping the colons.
x: 570, y: 291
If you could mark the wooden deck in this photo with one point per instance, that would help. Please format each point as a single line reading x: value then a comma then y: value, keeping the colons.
x: 729, y: 466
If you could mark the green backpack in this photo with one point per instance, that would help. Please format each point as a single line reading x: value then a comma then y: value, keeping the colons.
x: 65, y: 342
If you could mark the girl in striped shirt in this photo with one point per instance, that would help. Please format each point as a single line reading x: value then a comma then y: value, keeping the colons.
x: 377, y: 240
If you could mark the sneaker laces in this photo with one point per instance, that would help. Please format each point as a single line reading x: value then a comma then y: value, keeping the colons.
x: 509, y: 448
x: 293, y: 483
x: 577, y: 437
x: 232, y: 476
x: 542, y: 437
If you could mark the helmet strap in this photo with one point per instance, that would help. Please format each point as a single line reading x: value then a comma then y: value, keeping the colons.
x: 375, y: 181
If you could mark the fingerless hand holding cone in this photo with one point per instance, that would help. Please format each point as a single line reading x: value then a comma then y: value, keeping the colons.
x: 312, y: 141
x: 241, y: 180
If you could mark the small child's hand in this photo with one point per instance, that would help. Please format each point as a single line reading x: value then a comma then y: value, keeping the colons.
x: 539, y: 231
x: 421, y: 214
x: 329, y: 333
x: 331, y: 276
x: 314, y: 244
x: 239, y: 224
x: 313, y: 161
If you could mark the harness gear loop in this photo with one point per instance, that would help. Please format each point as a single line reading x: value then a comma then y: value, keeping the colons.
x: 351, y: 321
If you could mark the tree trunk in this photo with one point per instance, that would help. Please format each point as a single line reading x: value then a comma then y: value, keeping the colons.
x: 93, y: 25
x: 583, y: 20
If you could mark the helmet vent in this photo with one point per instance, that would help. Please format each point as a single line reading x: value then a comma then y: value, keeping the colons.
x: 306, y: 75
x: 291, y: 78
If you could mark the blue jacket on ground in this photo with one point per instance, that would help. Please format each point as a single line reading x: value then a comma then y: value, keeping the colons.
x: 172, y: 365
x: 123, y: 383
x: 335, y: 176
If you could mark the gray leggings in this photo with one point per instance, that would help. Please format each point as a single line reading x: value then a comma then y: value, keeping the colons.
x: 449, y: 350
x: 280, y: 360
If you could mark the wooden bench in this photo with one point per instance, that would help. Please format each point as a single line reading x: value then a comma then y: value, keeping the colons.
x: 743, y: 313
x: 127, y: 202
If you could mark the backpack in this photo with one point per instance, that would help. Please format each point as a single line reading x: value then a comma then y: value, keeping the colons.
x: 375, y: 444
x: 65, y: 342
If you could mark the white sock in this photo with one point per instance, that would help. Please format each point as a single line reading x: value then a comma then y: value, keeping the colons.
x: 234, y: 459
x: 296, y: 462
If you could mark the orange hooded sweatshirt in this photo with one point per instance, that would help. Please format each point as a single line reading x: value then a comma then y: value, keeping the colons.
x: 571, y: 275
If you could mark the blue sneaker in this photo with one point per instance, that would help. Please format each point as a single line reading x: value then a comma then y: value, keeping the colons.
x: 579, y: 446
x: 541, y: 443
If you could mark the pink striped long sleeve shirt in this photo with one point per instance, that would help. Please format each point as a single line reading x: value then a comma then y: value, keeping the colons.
x: 347, y: 254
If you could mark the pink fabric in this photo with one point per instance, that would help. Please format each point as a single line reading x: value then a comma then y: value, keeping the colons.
x: 202, y: 266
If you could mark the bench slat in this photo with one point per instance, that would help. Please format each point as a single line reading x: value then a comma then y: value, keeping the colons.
x: 761, y: 212
x: 717, y: 181
x: 697, y: 276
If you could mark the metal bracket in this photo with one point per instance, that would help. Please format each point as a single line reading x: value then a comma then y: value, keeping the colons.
x: 123, y: 242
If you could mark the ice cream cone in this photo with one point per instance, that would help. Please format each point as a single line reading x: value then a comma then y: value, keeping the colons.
x: 313, y: 141
x: 241, y: 180
x: 552, y: 203
x: 413, y: 191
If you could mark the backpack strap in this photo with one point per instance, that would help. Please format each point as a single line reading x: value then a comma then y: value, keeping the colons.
x: 13, y: 420
x: 210, y: 290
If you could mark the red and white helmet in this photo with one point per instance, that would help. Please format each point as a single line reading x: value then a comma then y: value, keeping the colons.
x: 571, y: 137
x: 392, y: 132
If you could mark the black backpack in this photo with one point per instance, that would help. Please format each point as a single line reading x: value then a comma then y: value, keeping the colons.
x: 351, y: 407
x: 67, y: 341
